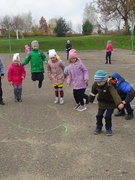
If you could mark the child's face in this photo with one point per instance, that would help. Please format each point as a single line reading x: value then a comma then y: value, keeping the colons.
x: 53, y: 59
x: 35, y: 47
x: 73, y: 60
x: 101, y: 83
x: 16, y: 62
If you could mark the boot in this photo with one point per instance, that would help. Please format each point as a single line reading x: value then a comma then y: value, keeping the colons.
x: 108, y: 131
x: 98, y: 130
x: 120, y: 113
x: 129, y: 116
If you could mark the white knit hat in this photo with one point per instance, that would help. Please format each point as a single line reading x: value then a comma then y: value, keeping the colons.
x: 52, y: 53
x: 16, y: 57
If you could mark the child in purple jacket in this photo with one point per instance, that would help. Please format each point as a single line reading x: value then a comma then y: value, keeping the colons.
x: 78, y: 77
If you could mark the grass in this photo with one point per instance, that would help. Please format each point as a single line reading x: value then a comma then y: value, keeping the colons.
x: 58, y: 43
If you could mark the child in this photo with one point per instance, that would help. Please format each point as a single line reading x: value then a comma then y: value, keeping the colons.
x: 1, y: 77
x: 27, y: 49
x: 36, y: 59
x: 56, y: 75
x: 127, y: 94
x: 16, y: 74
x: 108, y: 100
x: 68, y: 48
x: 109, y: 49
x: 78, y: 77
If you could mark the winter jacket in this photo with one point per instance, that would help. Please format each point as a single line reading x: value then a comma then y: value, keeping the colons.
x: 107, y: 98
x: 1, y: 68
x: 15, y: 74
x: 56, y: 71
x: 109, y: 48
x: 126, y: 92
x: 77, y: 74
x: 36, y: 59
x: 68, y: 47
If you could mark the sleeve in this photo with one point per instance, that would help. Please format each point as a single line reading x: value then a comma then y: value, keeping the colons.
x: 44, y: 58
x: 115, y: 95
x: 93, y: 93
x: 26, y: 60
x: 23, y: 72
x: 69, y: 78
x: 1, y: 68
x: 85, y: 71
x: 9, y: 74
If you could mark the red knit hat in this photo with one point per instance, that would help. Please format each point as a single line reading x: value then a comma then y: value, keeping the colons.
x: 72, y: 54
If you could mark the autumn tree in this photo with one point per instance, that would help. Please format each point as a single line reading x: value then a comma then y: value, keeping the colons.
x: 111, y: 8
x: 43, y: 25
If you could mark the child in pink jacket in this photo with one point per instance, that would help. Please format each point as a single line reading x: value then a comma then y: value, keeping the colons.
x: 27, y: 49
x: 16, y: 74
x: 77, y: 77
x: 109, y: 49
x: 56, y: 75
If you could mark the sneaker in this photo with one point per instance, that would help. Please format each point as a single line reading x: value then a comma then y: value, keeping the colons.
x: 129, y: 116
x: 20, y: 100
x: 61, y: 101
x: 76, y: 106
x: 56, y: 100
x: 81, y: 108
x: 2, y: 103
x: 109, y: 132
x: 97, y: 131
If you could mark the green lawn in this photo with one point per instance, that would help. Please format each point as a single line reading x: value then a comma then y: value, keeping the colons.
x: 58, y: 43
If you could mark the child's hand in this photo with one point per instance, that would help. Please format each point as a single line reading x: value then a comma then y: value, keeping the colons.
x: 22, y: 77
x: 10, y: 83
x: 68, y: 84
x: 121, y: 106
x: 2, y: 77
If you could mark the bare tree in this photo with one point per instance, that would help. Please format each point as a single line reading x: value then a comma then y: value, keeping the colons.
x: 90, y: 14
x: 111, y: 8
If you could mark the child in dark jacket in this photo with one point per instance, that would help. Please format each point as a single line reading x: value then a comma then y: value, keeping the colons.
x: 1, y: 77
x: 68, y: 48
x: 108, y: 100
x: 127, y: 94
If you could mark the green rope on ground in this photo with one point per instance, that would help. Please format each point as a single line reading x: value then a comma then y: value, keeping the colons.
x: 32, y: 130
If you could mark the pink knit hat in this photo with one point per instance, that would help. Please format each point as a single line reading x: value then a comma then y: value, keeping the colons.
x: 72, y: 54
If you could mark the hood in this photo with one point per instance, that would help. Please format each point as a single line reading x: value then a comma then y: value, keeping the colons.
x: 118, y: 77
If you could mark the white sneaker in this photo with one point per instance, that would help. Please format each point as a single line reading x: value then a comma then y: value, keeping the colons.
x: 61, y: 101
x: 81, y: 108
x: 56, y: 100
x: 76, y: 106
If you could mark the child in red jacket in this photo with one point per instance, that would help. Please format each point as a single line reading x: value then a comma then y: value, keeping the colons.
x: 16, y: 74
x: 109, y: 49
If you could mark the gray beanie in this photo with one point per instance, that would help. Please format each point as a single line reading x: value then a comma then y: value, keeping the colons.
x: 34, y: 43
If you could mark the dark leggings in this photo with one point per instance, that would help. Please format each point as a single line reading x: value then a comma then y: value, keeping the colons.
x: 37, y: 76
x: 79, y: 95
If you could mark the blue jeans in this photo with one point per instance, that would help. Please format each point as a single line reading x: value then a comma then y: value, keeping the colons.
x: 17, y: 91
x: 108, y: 118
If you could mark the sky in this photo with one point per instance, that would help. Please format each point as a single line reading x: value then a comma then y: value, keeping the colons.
x: 70, y: 10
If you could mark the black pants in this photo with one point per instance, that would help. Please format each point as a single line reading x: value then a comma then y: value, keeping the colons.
x: 1, y: 92
x: 108, y: 118
x: 108, y: 56
x: 79, y: 95
x: 37, y: 76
